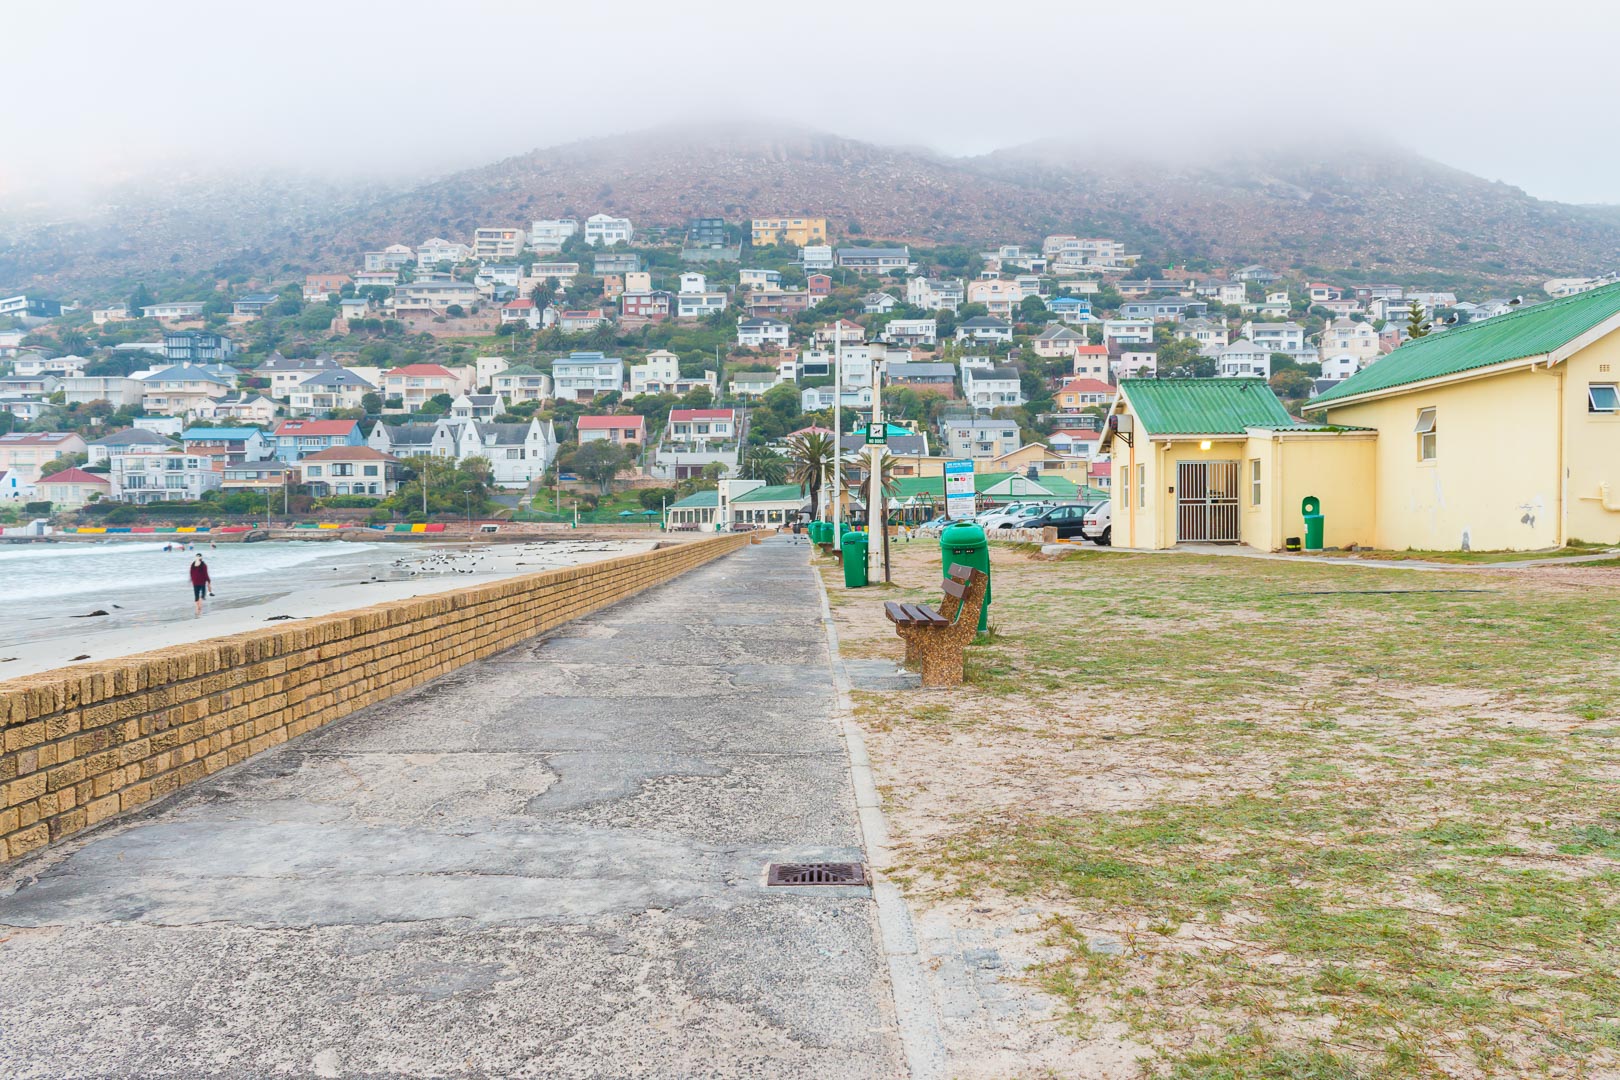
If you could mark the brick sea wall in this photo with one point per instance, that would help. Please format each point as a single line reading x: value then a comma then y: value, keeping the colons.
x: 80, y: 744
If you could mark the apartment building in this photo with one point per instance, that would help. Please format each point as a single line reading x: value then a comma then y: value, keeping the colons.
x: 163, y: 475
x: 439, y: 250
x: 581, y: 376
x: 498, y: 243
x: 798, y: 231
x: 549, y: 234
x: 22, y: 453
x: 605, y: 230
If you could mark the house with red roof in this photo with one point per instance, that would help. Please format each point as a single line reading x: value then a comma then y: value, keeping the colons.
x: 523, y: 312
x: 297, y: 439
x: 1091, y: 361
x: 72, y: 488
x: 619, y: 430
x: 417, y: 384
x: 1077, y: 394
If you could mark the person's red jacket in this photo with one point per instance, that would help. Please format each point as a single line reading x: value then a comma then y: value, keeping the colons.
x: 199, y: 574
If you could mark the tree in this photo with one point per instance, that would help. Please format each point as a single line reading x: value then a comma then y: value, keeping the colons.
x: 1292, y: 383
x: 140, y: 298
x: 438, y: 404
x: 599, y: 461
x: 66, y: 461
x: 372, y: 403
x: 1031, y: 309
x: 763, y: 463
x: 1416, y: 326
x: 72, y: 341
x: 810, y: 463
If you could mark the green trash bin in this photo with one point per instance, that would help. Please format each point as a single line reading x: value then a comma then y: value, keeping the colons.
x: 964, y: 543
x: 816, y: 532
x: 1311, y: 507
x: 854, y: 560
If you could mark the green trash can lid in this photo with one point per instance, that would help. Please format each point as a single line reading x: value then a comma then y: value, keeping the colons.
x: 962, y: 534
x: 1310, y: 505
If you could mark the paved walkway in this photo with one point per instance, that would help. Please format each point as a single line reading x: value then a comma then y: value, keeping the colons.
x: 548, y: 864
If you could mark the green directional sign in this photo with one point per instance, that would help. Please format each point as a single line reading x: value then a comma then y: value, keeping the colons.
x: 877, y: 435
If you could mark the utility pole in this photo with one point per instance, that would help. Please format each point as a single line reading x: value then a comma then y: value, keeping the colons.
x: 838, y: 429
x: 468, y: 493
x: 877, y: 525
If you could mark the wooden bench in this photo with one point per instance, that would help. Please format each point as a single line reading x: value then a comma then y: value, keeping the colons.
x: 935, y: 640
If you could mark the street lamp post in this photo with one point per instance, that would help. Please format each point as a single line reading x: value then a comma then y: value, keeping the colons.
x: 838, y: 429
x: 468, y: 493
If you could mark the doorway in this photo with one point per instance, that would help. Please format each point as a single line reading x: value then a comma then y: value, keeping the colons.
x: 1207, y: 502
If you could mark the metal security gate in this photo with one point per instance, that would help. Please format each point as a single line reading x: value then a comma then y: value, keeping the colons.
x: 1207, y: 501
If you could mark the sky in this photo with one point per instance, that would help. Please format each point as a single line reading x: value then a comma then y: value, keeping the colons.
x: 409, y: 89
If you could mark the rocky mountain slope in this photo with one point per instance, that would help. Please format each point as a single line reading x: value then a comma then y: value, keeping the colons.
x: 1367, y: 211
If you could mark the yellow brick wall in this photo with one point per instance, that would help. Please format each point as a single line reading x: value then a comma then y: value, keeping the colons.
x: 80, y: 744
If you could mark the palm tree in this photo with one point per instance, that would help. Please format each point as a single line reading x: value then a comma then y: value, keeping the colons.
x: 857, y: 473
x: 811, y: 455
x: 766, y: 464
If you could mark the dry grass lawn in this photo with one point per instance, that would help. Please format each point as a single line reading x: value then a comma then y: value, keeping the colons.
x: 1340, y: 821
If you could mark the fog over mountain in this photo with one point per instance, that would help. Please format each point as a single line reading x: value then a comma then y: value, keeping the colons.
x: 1385, y: 136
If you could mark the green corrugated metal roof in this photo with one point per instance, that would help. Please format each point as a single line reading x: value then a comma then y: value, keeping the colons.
x: 697, y: 500
x: 908, y: 486
x: 773, y: 493
x: 1527, y: 332
x: 1204, y: 406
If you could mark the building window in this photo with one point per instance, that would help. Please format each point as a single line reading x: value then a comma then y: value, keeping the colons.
x: 1254, y: 481
x: 1602, y: 397
x: 1425, y: 430
x: 1141, y: 486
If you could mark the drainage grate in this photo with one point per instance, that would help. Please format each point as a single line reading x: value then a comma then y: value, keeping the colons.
x: 816, y: 873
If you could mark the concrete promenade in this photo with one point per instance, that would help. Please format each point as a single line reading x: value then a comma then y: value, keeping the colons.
x: 550, y: 863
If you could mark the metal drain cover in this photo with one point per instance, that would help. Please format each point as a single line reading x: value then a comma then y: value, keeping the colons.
x: 816, y: 873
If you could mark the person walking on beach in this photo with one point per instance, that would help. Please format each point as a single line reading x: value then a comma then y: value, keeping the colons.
x: 200, y: 583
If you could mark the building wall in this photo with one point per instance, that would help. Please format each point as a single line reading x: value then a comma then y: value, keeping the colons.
x: 1495, y: 477
x: 1593, y: 446
x: 1340, y: 470
x: 86, y: 743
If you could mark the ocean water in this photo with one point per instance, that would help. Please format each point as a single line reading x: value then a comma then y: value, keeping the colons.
x: 34, y: 575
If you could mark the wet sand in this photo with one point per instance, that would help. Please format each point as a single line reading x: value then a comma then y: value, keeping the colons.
x: 33, y: 643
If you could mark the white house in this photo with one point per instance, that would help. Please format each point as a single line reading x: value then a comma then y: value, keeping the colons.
x: 984, y: 328
x: 878, y: 303
x: 697, y: 305
x: 581, y: 376
x: 1282, y: 337
x: 549, y: 234
x: 521, y: 382
x: 1340, y: 367
x: 762, y: 333
x: 932, y: 294
x: 1128, y: 331
x: 439, y: 250
x: 987, y: 388
x: 1207, y: 334
x: 498, y: 242
x: 162, y: 475
x: 911, y: 331
x: 1243, y: 358
x: 605, y: 230
x: 1346, y: 336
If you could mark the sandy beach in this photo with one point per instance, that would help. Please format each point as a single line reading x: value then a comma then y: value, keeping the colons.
x: 48, y: 619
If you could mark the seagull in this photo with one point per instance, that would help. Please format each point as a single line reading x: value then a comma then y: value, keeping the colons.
x: 1453, y: 320
x: 1516, y: 301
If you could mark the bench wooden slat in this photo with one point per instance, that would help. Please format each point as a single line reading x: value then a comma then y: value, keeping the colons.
x: 955, y: 588
x: 924, y: 614
x: 960, y: 573
x: 896, y: 612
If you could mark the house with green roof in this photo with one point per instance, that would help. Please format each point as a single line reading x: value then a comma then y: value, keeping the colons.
x: 765, y: 506
x: 695, y: 513
x: 1502, y: 434
x: 1221, y: 461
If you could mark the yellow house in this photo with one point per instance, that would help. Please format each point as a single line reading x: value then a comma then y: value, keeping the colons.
x: 798, y: 231
x: 1221, y: 461
x: 1498, y: 435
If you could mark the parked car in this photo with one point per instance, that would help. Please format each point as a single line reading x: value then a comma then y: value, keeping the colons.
x: 995, y: 519
x: 933, y: 526
x: 1066, y: 518
x: 1021, y: 518
x: 1098, y: 524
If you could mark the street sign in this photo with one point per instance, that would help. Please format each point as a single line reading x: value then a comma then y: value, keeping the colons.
x: 877, y: 434
x: 959, y: 495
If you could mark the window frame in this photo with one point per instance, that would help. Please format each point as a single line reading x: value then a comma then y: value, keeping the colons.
x: 1614, y: 395
x: 1256, y: 491
x: 1427, y: 431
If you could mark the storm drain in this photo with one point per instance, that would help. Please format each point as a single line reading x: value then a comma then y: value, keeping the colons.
x: 816, y: 873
